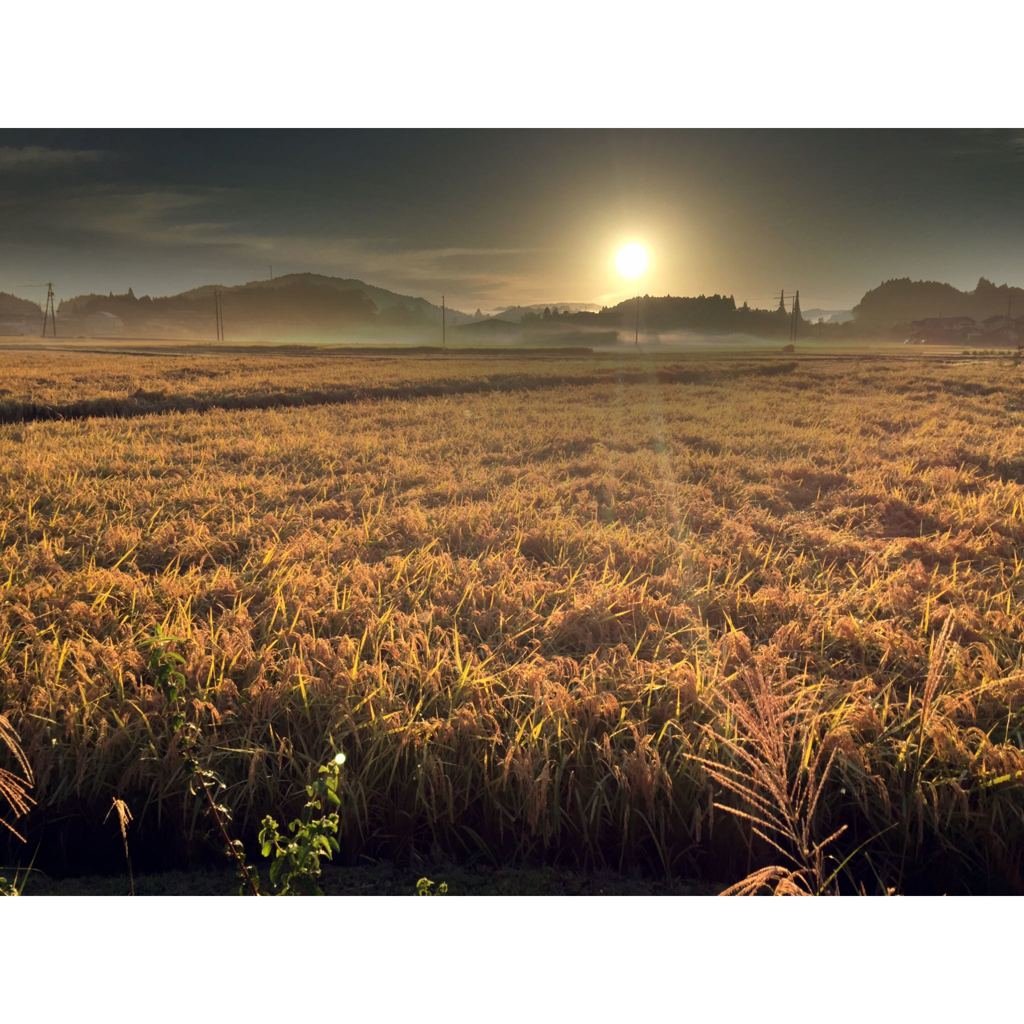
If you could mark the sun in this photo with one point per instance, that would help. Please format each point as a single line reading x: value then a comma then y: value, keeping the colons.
x: 632, y: 259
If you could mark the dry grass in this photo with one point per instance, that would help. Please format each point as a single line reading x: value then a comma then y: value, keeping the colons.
x: 556, y: 623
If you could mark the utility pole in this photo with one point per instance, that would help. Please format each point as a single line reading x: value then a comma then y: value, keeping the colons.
x: 49, y: 312
x: 444, y: 334
x: 271, y: 271
x: 636, y: 326
x: 218, y: 312
x: 795, y: 316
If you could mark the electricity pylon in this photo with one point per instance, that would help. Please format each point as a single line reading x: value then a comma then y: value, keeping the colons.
x: 49, y: 312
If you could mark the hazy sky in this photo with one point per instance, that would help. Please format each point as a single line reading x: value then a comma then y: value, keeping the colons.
x: 500, y: 217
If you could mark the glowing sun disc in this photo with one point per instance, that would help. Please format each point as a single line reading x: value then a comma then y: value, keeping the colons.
x: 631, y: 260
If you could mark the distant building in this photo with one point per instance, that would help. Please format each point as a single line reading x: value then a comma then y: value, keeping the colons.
x: 960, y: 329
x: 1002, y: 330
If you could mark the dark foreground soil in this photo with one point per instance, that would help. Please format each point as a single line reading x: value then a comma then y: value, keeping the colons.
x: 376, y: 880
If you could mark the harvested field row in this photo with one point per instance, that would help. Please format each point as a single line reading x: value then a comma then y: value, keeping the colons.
x: 74, y: 384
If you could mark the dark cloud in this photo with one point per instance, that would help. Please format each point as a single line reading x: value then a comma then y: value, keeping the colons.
x: 34, y: 159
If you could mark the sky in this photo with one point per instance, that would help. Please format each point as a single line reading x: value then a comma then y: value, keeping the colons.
x: 503, y: 217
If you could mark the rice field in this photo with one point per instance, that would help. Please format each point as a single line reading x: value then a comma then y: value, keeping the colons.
x: 69, y: 381
x: 751, y: 622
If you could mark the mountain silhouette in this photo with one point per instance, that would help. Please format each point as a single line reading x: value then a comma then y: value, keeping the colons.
x: 710, y: 314
x: 320, y: 308
x: 516, y: 313
x: 902, y: 301
x: 292, y: 307
x: 11, y: 305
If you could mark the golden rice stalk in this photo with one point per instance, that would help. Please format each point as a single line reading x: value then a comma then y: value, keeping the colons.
x: 774, y: 880
x: 14, y: 787
x: 124, y: 818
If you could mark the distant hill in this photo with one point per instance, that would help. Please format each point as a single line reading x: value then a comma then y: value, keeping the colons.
x: 671, y: 312
x: 516, y: 313
x: 662, y: 318
x: 319, y: 308
x: 293, y: 307
x: 11, y: 305
x: 392, y: 304
x: 902, y: 301
x: 705, y: 314
x: 488, y: 328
